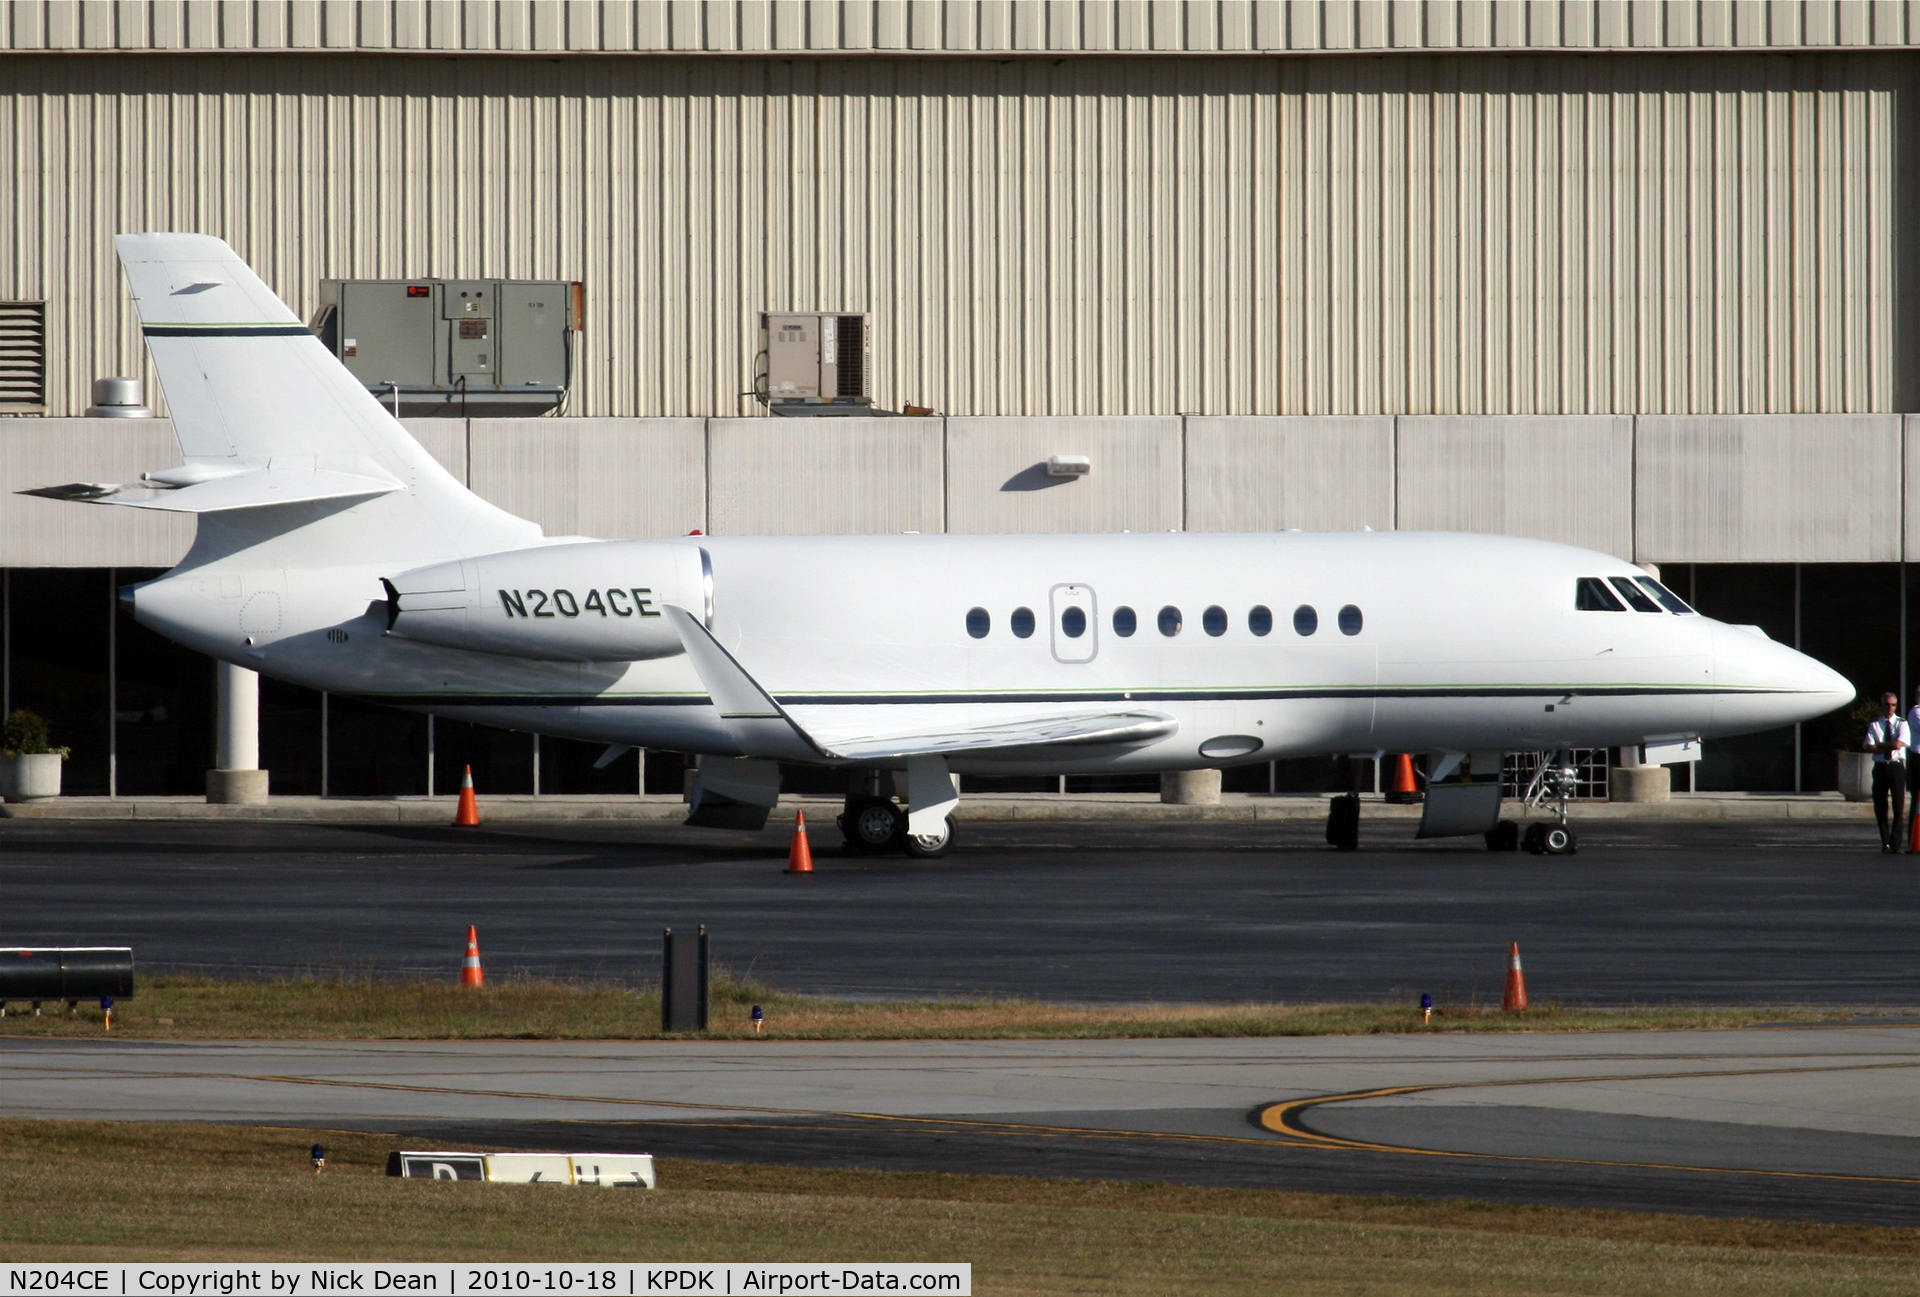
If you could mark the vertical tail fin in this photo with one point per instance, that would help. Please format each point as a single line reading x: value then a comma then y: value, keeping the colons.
x: 248, y: 385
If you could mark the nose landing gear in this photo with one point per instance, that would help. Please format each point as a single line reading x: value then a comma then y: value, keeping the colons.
x: 1556, y: 780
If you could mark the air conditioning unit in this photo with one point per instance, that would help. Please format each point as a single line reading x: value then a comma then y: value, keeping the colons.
x: 817, y: 362
x: 455, y: 347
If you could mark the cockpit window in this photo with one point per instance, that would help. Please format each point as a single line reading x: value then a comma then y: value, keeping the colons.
x: 1668, y: 599
x: 1593, y: 596
x: 1633, y: 594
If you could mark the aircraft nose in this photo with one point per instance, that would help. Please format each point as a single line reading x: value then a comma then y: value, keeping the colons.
x: 1763, y: 683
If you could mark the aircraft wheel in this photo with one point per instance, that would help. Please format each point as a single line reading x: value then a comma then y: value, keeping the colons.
x: 1504, y: 836
x: 929, y: 846
x: 873, y: 824
x: 1557, y: 841
x: 1532, y: 840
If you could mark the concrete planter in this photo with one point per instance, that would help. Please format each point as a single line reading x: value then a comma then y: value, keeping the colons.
x: 1856, y: 776
x: 30, y: 778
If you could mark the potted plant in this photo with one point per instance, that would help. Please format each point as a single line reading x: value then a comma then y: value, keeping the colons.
x: 29, y: 764
x: 1856, y: 767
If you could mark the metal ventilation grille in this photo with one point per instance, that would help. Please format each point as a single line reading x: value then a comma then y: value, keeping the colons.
x: 852, y: 349
x: 23, y: 357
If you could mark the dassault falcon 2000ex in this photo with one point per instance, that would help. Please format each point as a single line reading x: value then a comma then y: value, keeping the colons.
x: 334, y: 552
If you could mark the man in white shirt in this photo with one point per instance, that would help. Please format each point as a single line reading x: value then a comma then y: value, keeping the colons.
x: 1913, y: 784
x: 1888, y: 739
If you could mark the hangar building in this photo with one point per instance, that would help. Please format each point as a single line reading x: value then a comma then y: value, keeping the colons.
x: 1637, y: 276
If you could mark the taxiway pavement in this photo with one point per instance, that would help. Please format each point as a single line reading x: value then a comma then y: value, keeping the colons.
x: 1803, y: 1123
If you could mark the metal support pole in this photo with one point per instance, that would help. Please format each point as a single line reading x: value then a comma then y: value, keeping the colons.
x: 640, y: 759
x: 1796, y: 645
x: 429, y: 754
x: 536, y: 765
x: 113, y: 687
x: 326, y: 734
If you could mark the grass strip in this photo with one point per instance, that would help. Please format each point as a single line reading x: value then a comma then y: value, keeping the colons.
x: 364, y: 1008
x: 85, y: 1191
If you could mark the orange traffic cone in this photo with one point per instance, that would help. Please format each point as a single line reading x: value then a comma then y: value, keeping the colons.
x: 800, y: 855
x: 467, y: 814
x: 1515, y: 1000
x: 1401, y: 787
x: 470, y: 972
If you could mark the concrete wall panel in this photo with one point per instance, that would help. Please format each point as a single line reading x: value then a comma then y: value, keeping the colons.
x: 1795, y: 489
x: 445, y: 440
x: 834, y: 477
x: 1317, y: 474
x: 1567, y: 479
x: 612, y: 479
x: 997, y: 476
x: 52, y: 533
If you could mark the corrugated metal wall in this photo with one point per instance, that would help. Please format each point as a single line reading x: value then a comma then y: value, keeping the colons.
x: 1446, y: 235
x: 947, y: 26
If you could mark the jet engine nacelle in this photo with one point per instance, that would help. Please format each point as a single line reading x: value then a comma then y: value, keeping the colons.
x: 598, y: 601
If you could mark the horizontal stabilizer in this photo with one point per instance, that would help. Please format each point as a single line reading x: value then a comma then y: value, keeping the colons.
x: 268, y: 485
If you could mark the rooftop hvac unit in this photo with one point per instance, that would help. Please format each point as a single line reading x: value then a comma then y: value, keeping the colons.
x: 458, y: 347
x: 818, y: 363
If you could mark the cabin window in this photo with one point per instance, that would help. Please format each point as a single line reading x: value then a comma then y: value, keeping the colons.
x: 1170, y: 621
x: 1124, y: 622
x: 1260, y: 619
x: 1021, y: 623
x: 1214, y: 621
x: 1592, y: 595
x: 1350, y: 620
x: 1074, y: 623
x: 978, y: 622
x: 1633, y: 594
x: 1668, y: 599
x: 1305, y: 620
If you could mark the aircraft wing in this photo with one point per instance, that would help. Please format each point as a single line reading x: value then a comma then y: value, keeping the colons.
x: 1077, y: 729
x: 763, y: 728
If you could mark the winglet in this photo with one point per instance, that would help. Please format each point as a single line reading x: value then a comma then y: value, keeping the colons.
x: 759, y: 725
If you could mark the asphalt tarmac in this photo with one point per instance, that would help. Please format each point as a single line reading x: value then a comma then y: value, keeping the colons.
x: 1723, y: 912
x: 1790, y: 1123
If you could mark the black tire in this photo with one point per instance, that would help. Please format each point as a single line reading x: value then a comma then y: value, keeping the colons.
x: 1558, y: 841
x: 1504, y: 836
x: 873, y: 824
x: 1343, y: 822
x: 1532, y: 842
x: 922, y: 849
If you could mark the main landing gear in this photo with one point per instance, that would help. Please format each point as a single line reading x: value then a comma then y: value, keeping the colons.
x: 872, y: 824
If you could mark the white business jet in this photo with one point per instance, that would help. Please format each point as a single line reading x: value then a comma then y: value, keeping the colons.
x: 332, y: 551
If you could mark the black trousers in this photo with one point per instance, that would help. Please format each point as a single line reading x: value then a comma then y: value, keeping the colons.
x: 1889, y: 785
